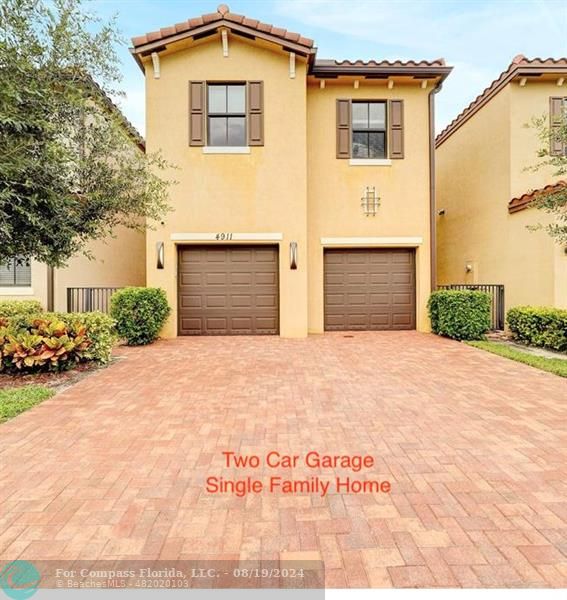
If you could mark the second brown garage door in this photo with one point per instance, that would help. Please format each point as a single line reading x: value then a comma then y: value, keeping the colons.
x: 368, y: 289
x: 228, y: 290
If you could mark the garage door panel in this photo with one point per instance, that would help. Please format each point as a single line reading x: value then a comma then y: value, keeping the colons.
x: 369, y: 289
x: 228, y: 290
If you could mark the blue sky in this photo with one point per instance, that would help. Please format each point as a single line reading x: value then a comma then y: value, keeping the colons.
x: 478, y: 38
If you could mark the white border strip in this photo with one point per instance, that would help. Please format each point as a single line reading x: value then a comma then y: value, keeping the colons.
x: 228, y: 237
x: 226, y: 150
x: 370, y: 162
x: 371, y: 241
x: 16, y: 291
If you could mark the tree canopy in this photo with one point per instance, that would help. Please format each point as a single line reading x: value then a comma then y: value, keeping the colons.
x: 553, y: 155
x: 70, y: 167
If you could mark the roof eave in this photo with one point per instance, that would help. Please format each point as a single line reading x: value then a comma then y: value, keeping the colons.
x: 322, y: 71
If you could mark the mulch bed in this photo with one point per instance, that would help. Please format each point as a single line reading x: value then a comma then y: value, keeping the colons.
x: 50, y: 380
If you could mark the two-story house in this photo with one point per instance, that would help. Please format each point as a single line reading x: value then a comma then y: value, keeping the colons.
x: 305, y: 197
x: 485, y: 186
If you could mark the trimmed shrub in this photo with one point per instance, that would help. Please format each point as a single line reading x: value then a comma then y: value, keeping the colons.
x: 46, y: 345
x: 99, y: 330
x: 10, y: 308
x: 460, y: 314
x: 545, y: 327
x: 140, y: 313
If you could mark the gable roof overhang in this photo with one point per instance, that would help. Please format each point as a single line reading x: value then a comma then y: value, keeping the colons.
x: 210, y: 24
x: 520, y: 67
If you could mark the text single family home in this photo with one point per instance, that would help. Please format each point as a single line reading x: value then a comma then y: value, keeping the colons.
x: 305, y: 197
x: 485, y: 187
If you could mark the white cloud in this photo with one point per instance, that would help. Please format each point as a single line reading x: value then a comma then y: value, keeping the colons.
x: 478, y: 38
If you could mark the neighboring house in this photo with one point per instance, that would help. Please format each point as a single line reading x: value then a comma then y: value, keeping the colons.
x: 86, y: 283
x: 305, y: 195
x: 484, y: 188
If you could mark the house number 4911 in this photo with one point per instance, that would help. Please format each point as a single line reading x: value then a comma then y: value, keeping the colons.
x: 223, y: 236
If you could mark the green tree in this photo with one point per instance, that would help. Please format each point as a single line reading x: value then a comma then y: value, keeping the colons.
x: 70, y: 171
x: 553, y: 155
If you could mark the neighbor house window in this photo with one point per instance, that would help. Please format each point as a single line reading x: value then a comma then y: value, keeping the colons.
x: 15, y: 272
x: 226, y: 113
x: 368, y: 130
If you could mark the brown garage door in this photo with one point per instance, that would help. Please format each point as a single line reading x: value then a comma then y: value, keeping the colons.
x: 369, y: 289
x: 228, y: 290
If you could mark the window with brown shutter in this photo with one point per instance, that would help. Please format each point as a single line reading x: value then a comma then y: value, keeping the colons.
x: 396, y: 128
x: 344, y: 131
x: 557, y: 114
x: 255, y: 113
x: 196, y: 113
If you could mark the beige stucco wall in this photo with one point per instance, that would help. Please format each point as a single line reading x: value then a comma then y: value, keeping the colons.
x: 479, y: 169
x: 335, y: 186
x: 118, y: 261
x: 261, y: 192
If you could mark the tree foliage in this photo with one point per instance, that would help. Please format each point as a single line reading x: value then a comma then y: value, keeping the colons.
x: 554, y: 202
x: 70, y: 169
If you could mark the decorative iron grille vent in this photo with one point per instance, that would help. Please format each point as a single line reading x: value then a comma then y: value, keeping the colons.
x: 370, y: 201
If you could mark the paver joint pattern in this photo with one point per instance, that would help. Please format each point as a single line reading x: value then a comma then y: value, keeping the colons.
x: 475, y: 447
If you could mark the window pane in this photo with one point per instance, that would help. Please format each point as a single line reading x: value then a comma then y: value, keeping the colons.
x: 377, y: 145
x: 23, y: 272
x: 7, y: 273
x: 360, y: 115
x: 217, y: 131
x: 236, y: 99
x: 360, y: 145
x: 236, y: 131
x: 15, y: 272
x: 217, y: 99
x: 377, y: 115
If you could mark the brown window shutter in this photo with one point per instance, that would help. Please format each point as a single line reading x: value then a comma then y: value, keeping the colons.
x: 343, y: 128
x: 255, y: 113
x: 197, y: 113
x: 396, y: 128
x: 555, y: 116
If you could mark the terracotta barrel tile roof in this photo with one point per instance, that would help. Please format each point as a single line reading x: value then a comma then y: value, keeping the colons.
x: 517, y: 66
x: 223, y: 14
x: 524, y: 200
x: 439, y: 62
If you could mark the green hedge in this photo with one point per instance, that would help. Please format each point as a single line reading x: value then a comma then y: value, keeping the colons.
x: 539, y: 326
x: 460, y: 314
x: 10, y: 308
x: 99, y: 330
x: 140, y: 313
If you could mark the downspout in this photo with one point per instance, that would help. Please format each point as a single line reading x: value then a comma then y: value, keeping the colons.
x: 50, y: 288
x: 432, y: 211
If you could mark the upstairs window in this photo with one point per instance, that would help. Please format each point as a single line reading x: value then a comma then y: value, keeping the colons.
x: 369, y: 130
x: 558, y: 118
x: 226, y: 114
x: 15, y: 272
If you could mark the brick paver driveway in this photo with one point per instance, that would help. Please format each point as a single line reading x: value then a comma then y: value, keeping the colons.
x: 475, y: 447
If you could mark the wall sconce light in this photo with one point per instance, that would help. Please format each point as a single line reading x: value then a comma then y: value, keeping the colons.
x: 160, y: 252
x: 441, y: 212
x: 293, y: 256
x: 468, y: 268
